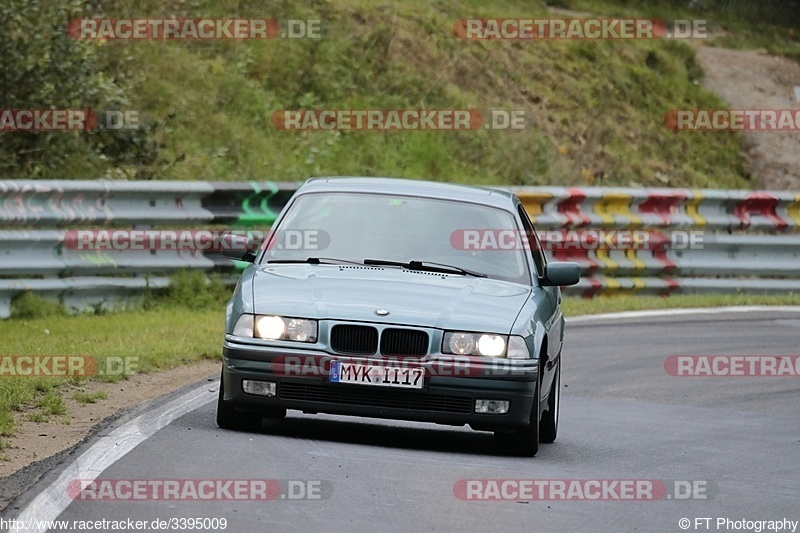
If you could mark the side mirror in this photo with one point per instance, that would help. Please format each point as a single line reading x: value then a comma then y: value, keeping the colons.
x: 561, y: 274
x: 237, y: 247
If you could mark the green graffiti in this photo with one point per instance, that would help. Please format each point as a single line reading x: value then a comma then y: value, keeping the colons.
x: 262, y: 214
x: 98, y: 258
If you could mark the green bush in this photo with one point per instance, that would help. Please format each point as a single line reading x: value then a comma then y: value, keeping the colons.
x: 29, y: 305
x: 45, y: 68
x: 191, y: 289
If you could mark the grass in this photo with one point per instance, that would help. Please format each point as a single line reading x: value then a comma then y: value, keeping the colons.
x: 51, y: 404
x: 4, y: 445
x: 15, y: 393
x: 92, y: 397
x: 28, y: 305
x: 596, y: 108
x: 183, y: 324
x: 174, y: 335
x: 7, y: 424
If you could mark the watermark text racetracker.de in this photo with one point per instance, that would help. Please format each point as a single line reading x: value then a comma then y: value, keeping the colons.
x: 190, y: 240
x: 112, y: 490
x: 320, y: 366
x: 707, y: 523
x: 733, y: 119
x: 579, y: 29
x: 580, y: 239
x: 400, y: 119
x: 193, y: 29
x: 46, y: 120
x: 723, y: 366
x: 583, y: 489
x: 68, y: 366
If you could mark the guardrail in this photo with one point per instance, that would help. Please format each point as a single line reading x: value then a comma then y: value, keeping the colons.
x: 625, y: 208
x: 123, y: 203
x: 744, y: 241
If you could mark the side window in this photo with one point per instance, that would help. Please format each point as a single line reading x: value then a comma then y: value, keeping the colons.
x: 533, y: 240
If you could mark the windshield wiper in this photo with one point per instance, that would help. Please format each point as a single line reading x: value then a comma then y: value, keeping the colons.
x: 314, y: 261
x: 426, y: 266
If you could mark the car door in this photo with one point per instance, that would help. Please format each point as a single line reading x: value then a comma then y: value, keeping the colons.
x: 550, y: 311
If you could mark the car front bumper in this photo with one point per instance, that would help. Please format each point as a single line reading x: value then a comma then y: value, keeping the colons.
x: 448, y: 395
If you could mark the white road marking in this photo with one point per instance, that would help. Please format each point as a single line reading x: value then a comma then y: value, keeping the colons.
x: 51, y: 502
x: 680, y: 312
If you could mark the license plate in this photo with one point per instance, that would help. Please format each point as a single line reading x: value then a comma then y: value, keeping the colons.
x: 382, y: 376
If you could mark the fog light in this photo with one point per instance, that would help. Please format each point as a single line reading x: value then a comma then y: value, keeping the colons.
x: 259, y: 388
x: 491, y: 407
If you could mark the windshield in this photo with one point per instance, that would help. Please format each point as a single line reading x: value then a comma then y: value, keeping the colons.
x: 358, y: 226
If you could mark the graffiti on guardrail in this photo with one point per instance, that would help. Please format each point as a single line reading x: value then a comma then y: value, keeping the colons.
x: 750, y: 239
x: 35, y: 203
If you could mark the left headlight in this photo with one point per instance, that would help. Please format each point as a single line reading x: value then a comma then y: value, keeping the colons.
x: 465, y: 343
x: 276, y: 328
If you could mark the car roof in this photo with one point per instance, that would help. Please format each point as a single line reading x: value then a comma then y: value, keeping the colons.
x: 409, y: 187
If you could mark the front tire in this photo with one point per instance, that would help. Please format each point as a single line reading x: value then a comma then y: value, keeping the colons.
x: 524, y: 442
x: 548, y: 427
x: 229, y: 418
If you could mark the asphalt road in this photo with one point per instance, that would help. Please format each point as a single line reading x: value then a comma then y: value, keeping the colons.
x: 737, y: 439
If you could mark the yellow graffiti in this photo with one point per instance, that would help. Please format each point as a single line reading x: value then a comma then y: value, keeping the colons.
x: 637, y: 263
x: 610, y: 264
x: 794, y: 210
x: 692, y: 208
x: 614, y: 203
x: 533, y: 202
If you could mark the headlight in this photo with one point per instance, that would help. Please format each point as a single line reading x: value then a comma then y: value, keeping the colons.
x: 276, y: 328
x: 461, y: 343
x: 270, y: 327
x: 464, y: 343
x: 301, y: 330
x: 491, y: 345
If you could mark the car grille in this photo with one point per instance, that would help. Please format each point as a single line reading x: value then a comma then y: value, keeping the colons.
x: 404, y: 342
x: 375, y: 397
x: 356, y: 340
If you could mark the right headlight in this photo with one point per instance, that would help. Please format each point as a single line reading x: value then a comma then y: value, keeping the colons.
x: 481, y: 344
x: 484, y: 344
x: 276, y: 328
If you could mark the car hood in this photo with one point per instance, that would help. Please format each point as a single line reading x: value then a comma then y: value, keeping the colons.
x: 411, y: 297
